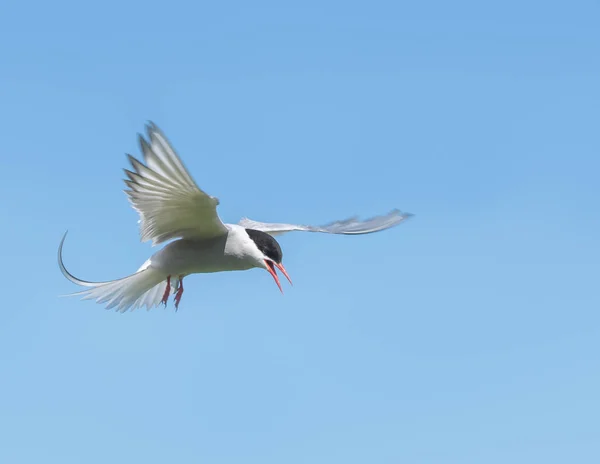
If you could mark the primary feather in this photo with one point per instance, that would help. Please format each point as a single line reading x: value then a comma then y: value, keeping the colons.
x: 169, y: 202
x: 350, y: 226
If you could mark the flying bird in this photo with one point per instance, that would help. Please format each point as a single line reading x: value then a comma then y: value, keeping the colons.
x: 173, y: 208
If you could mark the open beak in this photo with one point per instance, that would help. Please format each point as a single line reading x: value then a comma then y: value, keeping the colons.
x: 271, y: 268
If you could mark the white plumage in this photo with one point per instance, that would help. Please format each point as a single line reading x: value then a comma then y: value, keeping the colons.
x: 173, y: 208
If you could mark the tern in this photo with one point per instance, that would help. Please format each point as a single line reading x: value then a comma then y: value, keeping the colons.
x: 172, y: 208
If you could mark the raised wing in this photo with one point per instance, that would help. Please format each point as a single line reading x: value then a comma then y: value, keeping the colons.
x: 351, y: 226
x: 169, y: 202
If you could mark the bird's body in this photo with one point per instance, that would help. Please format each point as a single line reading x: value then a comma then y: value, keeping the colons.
x: 232, y: 251
x: 172, y: 207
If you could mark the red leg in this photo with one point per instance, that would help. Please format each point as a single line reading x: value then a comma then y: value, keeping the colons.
x: 167, y: 291
x: 179, y: 293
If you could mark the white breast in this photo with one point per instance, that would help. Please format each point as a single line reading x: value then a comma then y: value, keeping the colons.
x: 234, y: 251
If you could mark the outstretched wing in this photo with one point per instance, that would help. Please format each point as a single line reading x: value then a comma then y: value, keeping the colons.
x: 351, y: 226
x: 169, y: 202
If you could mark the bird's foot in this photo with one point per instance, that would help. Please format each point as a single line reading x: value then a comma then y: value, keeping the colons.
x: 167, y: 291
x: 179, y: 293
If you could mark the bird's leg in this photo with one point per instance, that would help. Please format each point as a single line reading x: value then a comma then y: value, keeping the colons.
x: 167, y: 291
x: 179, y: 293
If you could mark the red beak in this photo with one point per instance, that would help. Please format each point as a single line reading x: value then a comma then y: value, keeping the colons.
x: 271, y: 268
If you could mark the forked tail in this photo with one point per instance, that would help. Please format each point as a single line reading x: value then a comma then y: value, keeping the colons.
x: 135, y: 291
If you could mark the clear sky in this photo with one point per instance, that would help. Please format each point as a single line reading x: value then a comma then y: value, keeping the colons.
x: 469, y: 334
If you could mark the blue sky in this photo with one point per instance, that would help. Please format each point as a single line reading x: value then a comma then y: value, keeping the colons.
x: 469, y: 334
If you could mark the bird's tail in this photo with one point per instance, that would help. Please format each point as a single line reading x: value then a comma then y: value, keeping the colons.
x: 144, y: 288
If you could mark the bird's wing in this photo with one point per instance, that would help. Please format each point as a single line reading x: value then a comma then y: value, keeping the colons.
x: 351, y: 226
x: 169, y: 202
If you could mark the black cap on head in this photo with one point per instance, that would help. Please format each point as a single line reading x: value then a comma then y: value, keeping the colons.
x: 266, y: 244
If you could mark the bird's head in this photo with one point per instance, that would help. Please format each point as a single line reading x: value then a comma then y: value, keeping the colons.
x: 271, y: 254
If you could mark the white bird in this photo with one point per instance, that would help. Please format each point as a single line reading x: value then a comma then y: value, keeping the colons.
x: 172, y: 207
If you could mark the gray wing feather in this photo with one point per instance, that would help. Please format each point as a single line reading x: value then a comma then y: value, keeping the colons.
x: 169, y: 202
x: 350, y: 226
